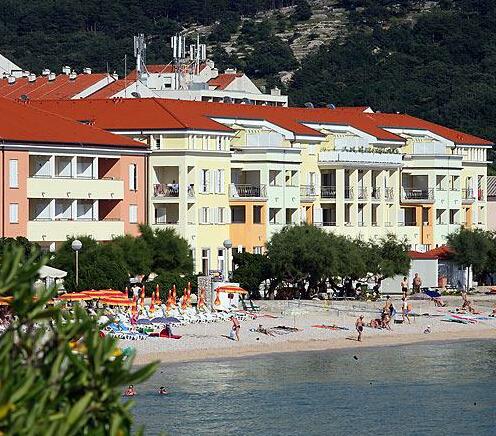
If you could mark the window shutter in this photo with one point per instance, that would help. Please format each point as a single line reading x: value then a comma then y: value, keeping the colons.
x: 211, y: 178
x: 200, y: 217
x: 131, y: 177
x: 216, y: 181
x: 222, y: 181
x: 227, y: 215
x: 13, y: 173
x: 317, y: 216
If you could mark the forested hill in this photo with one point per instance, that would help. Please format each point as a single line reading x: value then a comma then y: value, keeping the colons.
x: 433, y: 59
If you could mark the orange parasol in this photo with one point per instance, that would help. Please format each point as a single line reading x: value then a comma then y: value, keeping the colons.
x: 184, y: 300
x: 231, y: 289
x: 74, y: 296
x: 174, y: 295
x: 5, y: 301
x: 114, y: 301
x: 152, y: 307
x: 217, y: 298
x: 142, y: 296
x: 157, y: 294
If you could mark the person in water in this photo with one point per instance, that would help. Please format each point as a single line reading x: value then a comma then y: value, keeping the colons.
x: 130, y: 391
x: 162, y: 390
x: 359, y: 327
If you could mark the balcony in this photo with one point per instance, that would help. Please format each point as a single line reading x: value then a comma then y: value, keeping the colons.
x: 237, y: 191
x: 102, y: 189
x: 348, y: 193
x: 468, y: 195
x: 48, y: 230
x: 362, y: 193
x: 375, y: 194
x: 308, y: 191
x: 360, y: 157
x: 170, y: 190
x: 414, y: 195
x: 389, y: 194
x: 328, y: 192
x: 329, y: 223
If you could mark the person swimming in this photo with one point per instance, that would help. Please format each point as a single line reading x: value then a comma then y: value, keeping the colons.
x: 130, y: 391
x: 162, y: 391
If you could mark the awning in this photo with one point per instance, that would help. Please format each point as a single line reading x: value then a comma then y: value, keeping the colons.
x: 231, y: 289
x: 48, y: 271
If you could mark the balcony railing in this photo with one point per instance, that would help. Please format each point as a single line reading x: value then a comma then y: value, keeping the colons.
x: 468, y: 194
x: 375, y: 194
x: 362, y: 193
x: 160, y: 222
x: 389, y: 194
x: 308, y: 191
x: 248, y: 191
x: 328, y: 192
x: 170, y: 190
x: 418, y: 194
x: 480, y: 195
x: 348, y: 193
x: 329, y: 223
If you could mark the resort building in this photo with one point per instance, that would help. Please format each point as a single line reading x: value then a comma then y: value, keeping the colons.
x: 491, y: 203
x: 242, y: 172
x: 62, y: 178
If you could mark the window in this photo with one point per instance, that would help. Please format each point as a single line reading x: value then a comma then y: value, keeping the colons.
x: 203, y: 215
x: 257, y: 250
x: 13, y: 173
x: 133, y: 177
x: 133, y: 214
x: 219, y: 143
x: 85, y: 210
x: 238, y: 214
x: 221, y: 215
x: 157, y: 142
x: 453, y: 217
x: 14, y: 213
x: 85, y: 167
x: 220, y: 259
x: 63, y: 210
x: 257, y: 214
x: 204, y: 181
x: 205, y: 260
x: 273, y: 215
x: 219, y: 181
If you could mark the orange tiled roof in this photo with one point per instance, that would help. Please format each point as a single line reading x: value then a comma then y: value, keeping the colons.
x: 60, y: 88
x: 111, y: 89
x: 222, y: 81
x: 24, y: 123
x: 164, y: 114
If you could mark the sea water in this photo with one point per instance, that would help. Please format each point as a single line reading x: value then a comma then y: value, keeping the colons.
x: 445, y: 389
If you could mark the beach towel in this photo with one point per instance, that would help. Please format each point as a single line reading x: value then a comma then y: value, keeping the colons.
x: 330, y: 327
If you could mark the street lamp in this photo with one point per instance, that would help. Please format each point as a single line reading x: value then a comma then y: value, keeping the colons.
x: 227, y: 245
x: 76, y: 246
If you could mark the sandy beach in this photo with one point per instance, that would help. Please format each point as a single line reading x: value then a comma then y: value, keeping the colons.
x: 210, y: 341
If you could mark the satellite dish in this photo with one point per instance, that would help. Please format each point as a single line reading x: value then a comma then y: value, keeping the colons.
x: 227, y: 99
x: 330, y: 106
x: 136, y: 94
x: 24, y: 97
x: 309, y: 105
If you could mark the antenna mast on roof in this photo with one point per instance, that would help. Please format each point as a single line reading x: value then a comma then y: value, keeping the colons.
x: 140, y: 55
x: 198, y: 53
x: 178, y: 44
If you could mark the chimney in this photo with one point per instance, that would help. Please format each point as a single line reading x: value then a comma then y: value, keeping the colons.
x: 51, y: 77
x: 66, y: 70
x: 25, y: 73
x: 72, y: 75
x: 115, y: 76
x: 32, y: 77
x: 230, y: 71
x: 11, y: 80
x: 86, y: 70
x: 45, y: 72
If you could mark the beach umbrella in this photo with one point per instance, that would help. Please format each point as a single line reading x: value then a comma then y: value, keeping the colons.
x: 74, y: 296
x: 5, y: 301
x: 171, y: 320
x: 159, y: 320
x: 114, y: 301
x: 157, y: 294
x: 113, y: 293
x: 217, y: 297
x: 152, y: 306
x: 231, y: 289
x: 144, y: 321
x: 184, y: 300
x: 142, y: 297
x: 169, y: 298
x: 174, y: 295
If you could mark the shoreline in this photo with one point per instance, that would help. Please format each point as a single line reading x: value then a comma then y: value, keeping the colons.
x: 297, y: 346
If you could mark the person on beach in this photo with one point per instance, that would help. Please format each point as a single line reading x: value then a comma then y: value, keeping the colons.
x: 404, y: 309
x: 416, y: 284
x: 130, y: 391
x: 467, y: 304
x: 404, y: 286
x: 359, y: 327
x: 235, y: 327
